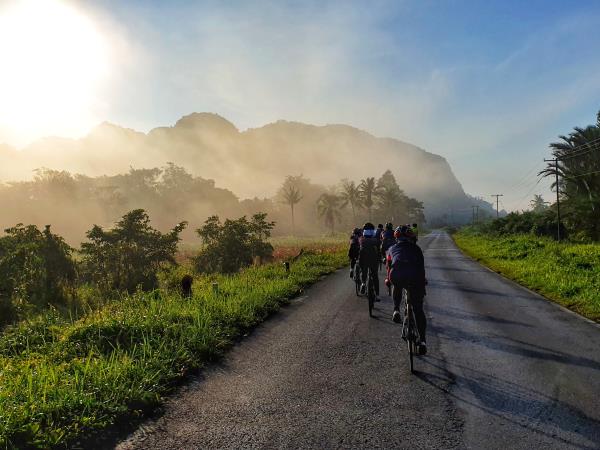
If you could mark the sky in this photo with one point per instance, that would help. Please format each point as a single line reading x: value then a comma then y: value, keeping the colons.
x: 486, y: 84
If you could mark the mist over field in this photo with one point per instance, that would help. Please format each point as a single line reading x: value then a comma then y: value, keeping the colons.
x: 214, y: 169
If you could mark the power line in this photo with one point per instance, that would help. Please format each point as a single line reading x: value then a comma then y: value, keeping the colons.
x: 523, y: 181
x: 520, y: 201
x: 574, y: 153
x: 582, y: 175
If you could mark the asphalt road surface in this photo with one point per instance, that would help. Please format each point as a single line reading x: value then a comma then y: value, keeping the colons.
x: 505, y: 369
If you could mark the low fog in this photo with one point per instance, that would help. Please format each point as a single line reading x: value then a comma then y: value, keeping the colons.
x: 203, y: 166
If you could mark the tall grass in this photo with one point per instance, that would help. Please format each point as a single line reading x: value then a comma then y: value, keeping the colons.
x: 567, y: 273
x: 62, y: 377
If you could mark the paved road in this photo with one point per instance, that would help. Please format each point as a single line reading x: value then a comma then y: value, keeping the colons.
x: 506, y: 369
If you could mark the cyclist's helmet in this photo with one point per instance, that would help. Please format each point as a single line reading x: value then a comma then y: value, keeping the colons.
x: 369, y: 230
x: 389, y: 226
x: 357, y: 232
x: 380, y: 226
x: 401, y: 232
x: 414, y: 225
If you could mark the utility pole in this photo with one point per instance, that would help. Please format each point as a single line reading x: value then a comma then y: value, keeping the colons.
x: 497, y: 197
x: 475, y: 215
x: 555, y: 161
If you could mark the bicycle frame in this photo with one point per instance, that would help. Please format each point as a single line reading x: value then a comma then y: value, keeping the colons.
x: 410, y: 332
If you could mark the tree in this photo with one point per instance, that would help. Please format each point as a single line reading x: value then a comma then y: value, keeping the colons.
x: 234, y: 244
x: 578, y: 170
x: 36, y: 269
x: 290, y: 192
x: 390, y: 202
x: 368, y: 192
x: 328, y: 208
x: 350, y: 195
x: 538, y: 204
x: 130, y: 255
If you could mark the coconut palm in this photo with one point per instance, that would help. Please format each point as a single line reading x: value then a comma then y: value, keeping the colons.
x: 291, y: 195
x: 328, y: 208
x: 391, y: 202
x: 578, y: 170
x: 350, y: 195
x: 538, y: 204
x: 368, y: 192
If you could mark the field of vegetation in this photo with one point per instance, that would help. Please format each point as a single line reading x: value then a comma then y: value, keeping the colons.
x: 92, y: 335
x: 62, y: 377
x: 567, y: 273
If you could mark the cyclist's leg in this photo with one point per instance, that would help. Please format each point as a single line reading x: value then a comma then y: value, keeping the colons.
x: 363, y: 273
x: 375, y: 275
x: 416, y: 300
x: 397, y: 296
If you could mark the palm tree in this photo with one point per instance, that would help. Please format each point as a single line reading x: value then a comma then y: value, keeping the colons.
x: 292, y: 196
x: 391, y: 202
x: 368, y: 192
x: 578, y: 170
x: 538, y: 204
x: 350, y: 195
x: 328, y: 208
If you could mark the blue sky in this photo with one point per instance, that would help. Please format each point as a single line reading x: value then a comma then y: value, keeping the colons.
x: 486, y: 84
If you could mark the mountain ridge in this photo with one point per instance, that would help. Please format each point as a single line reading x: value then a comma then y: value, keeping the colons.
x: 253, y: 162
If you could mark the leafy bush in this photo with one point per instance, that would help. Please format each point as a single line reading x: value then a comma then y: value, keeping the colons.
x: 527, y: 222
x: 234, y: 244
x: 36, y: 269
x: 130, y: 255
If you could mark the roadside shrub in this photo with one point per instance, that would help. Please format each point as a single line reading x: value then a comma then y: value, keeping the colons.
x: 130, y: 255
x: 36, y: 270
x: 527, y: 222
x: 234, y: 244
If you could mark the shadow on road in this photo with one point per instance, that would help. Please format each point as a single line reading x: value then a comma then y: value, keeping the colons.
x: 455, y: 313
x: 521, y: 406
x: 516, y: 347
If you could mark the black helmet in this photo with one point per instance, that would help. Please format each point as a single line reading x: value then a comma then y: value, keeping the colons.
x: 414, y: 225
x: 380, y: 226
x: 389, y: 226
x: 368, y: 226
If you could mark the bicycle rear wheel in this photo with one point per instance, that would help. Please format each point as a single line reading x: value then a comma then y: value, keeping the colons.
x: 370, y: 293
x: 410, y: 337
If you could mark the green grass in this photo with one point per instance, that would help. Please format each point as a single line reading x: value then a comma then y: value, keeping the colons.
x: 566, y: 273
x: 60, y: 378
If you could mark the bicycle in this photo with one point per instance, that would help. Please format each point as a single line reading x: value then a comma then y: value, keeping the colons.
x: 370, y: 292
x: 357, y: 281
x: 409, y: 328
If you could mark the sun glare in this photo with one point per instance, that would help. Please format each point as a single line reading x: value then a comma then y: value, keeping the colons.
x: 53, y: 62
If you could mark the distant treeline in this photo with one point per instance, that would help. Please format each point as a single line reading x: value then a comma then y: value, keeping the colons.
x: 72, y: 202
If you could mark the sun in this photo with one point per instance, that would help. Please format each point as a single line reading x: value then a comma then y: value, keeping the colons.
x: 53, y: 63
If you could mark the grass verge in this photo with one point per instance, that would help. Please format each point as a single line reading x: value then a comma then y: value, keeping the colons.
x: 60, y: 378
x: 566, y: 273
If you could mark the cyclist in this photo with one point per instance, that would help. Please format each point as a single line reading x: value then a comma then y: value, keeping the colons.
x: 368, y: 258
x: 387, y: 238
x: 378, y: 233
x: 406, y: 269
x: 354, y: 248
